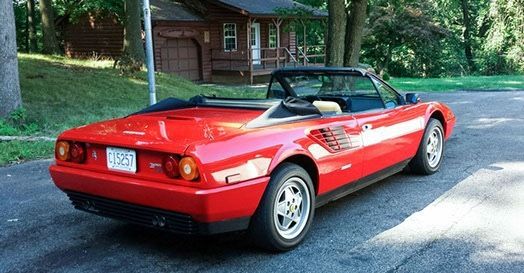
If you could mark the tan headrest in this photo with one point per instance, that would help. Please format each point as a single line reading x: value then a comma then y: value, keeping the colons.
x: 327, y: 107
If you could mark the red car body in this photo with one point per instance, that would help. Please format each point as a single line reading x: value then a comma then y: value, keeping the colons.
x: 234, y: 162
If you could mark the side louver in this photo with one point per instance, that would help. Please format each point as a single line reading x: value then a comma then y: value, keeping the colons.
x: 335, y: 139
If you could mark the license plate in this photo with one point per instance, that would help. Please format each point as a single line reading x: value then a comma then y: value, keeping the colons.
x: 121, y: 159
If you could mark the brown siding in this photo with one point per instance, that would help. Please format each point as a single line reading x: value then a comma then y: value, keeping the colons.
x: 92, y: 35
x: 197, y: 28
x: 104, y: 36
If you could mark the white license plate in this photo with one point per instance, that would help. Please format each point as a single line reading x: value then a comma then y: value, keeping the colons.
x: 121, y: 159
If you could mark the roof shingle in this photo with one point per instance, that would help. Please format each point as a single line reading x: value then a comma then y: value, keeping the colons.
x: 168, y: 10
x: 269, y: 7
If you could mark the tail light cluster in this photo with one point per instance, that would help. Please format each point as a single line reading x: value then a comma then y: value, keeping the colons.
x: 172, y: 165
x: 185, y: 167
x: 70, y: 151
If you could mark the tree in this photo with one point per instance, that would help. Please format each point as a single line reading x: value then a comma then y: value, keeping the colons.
x: 31, y: 29
x: 133, y: 55
x: 10, y: 97
x: 468, y: 51
x: 336, y: 28
x: 354, y: 30
x: 503, y: 49
x: 48, y: 27
x: 407, y: 36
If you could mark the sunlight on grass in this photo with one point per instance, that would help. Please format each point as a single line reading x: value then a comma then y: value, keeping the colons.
x: 472, y: 83
x: 17, y: 151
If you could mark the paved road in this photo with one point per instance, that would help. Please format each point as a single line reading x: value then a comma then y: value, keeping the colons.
x: 469, y: 217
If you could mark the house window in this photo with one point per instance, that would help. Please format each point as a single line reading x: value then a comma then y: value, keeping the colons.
x: 273, y: 36
x: 230, y: 37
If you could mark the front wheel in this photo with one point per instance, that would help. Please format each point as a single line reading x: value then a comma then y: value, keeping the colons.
x: 286, y: 209
x: 430, y: 151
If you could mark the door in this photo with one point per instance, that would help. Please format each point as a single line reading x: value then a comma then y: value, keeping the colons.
x: 343, y: 161
x: 391, y: 133
x: 255, y: 42
x: 182, y: 56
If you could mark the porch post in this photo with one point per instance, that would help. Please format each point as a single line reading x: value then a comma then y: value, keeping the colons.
x: 249, y: 51
x: 277, y: 23
x: 305, y: 43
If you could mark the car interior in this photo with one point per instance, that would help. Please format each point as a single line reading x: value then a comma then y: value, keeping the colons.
x: 336, y: 93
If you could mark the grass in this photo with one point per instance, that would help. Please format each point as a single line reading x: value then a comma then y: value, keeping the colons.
x: 18, y: 151
x: 61, y: 93
x: 469, y: 83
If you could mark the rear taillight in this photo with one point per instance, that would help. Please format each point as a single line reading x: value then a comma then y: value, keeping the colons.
x: 188, y: 168
x: 67, y: 151
x: 174, y: 167
x: 170, y: 166
x: 77, y: 152
x: 62, y: 150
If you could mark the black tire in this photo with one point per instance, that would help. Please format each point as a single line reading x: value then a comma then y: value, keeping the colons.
x: 421, y: 164
x: 263, y: 228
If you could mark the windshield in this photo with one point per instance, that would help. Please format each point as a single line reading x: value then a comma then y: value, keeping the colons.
x: 327, y: 85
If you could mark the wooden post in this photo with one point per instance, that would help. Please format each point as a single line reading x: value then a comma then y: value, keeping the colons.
x: 277, y: 23
x: 305, y: 43
x: 249, y: 51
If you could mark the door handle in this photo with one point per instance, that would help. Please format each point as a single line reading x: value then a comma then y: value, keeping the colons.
x: 366, y: 127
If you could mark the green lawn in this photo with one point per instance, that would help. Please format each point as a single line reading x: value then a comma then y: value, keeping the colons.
x: 60, y: 93
x: 471, y: 83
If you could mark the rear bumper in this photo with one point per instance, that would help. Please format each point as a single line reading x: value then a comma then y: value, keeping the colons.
x: 204, y: 206
x: 152, y: 217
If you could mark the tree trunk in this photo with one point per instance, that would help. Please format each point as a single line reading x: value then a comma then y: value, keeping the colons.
x: 133, y: 54
x: 354, y: 31
x: 468, y: 51
x: 10, y: 98
x: 48, y: 27
x: 31, y: 30
x: 336, y: 30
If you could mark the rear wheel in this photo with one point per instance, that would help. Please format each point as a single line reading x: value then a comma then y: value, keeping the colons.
x: 286, y: 209
x: 430, y: 151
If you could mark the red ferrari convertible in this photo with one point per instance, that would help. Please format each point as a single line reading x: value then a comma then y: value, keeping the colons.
x: 210, y: 165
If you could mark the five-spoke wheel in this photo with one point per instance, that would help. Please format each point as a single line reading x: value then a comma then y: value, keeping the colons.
x: 431, y: 150
x: 291, y: 210
x: 286, y: 210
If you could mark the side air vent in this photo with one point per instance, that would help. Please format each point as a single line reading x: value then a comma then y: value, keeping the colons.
x: 333, y: 138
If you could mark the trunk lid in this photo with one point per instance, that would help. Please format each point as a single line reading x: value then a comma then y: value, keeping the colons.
x: 168, y: 131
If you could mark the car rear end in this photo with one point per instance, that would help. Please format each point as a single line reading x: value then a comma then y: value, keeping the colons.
x: 140, y: 169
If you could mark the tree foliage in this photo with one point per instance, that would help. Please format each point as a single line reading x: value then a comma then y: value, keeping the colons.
x: 401, y: 37
x: 503, y: 50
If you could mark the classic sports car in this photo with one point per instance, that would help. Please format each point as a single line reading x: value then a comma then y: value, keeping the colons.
x: 210, y: 165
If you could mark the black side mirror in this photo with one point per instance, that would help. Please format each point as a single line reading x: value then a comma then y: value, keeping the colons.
x: 412, y: 98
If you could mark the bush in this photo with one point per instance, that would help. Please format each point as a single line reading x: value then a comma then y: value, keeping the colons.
x: 17, y: 124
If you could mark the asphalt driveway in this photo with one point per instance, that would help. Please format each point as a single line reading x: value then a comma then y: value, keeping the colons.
x: 469, y: 217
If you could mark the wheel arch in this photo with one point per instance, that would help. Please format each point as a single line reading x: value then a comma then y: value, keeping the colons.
x: 306, y: 162
x: 438, y: 115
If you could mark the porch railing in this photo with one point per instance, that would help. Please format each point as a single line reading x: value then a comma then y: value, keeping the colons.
x: 266, y: 58
x: 312, y: 55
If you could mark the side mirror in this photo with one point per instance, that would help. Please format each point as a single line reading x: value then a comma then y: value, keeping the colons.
x: 412, y: 98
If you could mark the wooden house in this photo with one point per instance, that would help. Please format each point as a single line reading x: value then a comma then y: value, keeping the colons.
x: 204, y: 40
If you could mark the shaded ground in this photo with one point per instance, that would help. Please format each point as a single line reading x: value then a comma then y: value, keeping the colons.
x: 466, y: 218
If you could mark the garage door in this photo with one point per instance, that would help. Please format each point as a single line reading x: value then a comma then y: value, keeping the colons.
x: 181, y: 56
